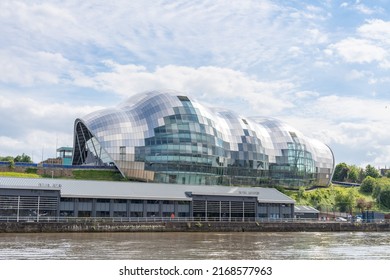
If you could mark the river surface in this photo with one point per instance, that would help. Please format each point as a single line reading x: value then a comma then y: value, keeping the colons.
x: 194, y: 246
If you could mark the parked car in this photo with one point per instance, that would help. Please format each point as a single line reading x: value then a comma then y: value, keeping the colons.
x: 340, y: 219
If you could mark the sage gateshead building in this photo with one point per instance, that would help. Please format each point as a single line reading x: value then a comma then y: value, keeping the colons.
x: 169, y: 137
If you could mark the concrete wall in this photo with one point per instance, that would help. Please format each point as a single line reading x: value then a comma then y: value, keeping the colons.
x: 192, y: 227
x: 56, y: 172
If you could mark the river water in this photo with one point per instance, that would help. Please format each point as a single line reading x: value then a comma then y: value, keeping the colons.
x: 194, y: 246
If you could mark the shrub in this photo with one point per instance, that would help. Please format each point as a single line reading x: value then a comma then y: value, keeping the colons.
x: 384, y: 198
x: 368, y: 185
x: 31, y: 170
x: 108, y: 175
x: 11, y: 164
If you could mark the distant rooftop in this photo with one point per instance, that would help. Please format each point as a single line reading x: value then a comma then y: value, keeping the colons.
x: 305, y: 209
x: 67, y: 149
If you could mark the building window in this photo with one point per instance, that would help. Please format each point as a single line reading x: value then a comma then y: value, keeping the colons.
x: 66, y: 213
x: 120, y: 214
x: 183, y: 202
x: 85, y: 200
x: 183, y: 214
x: 168, y: 202
x: 136, y: 214
x: 85, y: 214
x: 120, y: 201
x: 183, y: 98
x: 153, y: 201
x: 102, y: 214
x: 122, y: 152
x: 152, y: 214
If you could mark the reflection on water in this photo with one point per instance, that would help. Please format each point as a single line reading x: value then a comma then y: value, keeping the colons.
x: 235, y: 245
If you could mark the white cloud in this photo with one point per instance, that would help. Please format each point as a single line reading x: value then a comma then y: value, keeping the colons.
x: 356, y: 128
x: 381, y: 157
x: 27, y: 68
x: 367, y: 10
x: 306, y: 94
x: 357, y: 75
x: 370, y: 45
x: 7, y: 144
x: 208, y: 83
x: 33, y: 24
x: 351, y: 108
x: 29, y: 123
x: 354, y: 50
x: 315, y: 36
x: 295, y: 51
x: 376, y: 29
x: 235, y: 35
x: 361, y: 8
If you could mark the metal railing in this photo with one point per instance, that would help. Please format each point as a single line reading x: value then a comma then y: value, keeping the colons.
x: 52, y: 165
x: 61, y: 219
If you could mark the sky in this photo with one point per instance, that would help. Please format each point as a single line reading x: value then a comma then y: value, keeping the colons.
x: 321, y: 66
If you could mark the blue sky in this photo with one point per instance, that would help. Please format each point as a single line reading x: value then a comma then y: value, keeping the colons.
x: 321, y: 66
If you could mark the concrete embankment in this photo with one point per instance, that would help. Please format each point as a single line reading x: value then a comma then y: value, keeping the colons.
x: 192, y: 227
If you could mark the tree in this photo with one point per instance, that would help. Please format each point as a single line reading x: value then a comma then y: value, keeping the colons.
x: 11, y: 164
x: 354, y: 174
x: 368, y: 185
x: 361, y: 204
x: 371, y: 171
x: 301, y: 194
x: 18, y: 158
x: 369, y: 204
x: 384, y: 198
x: 341, y: 172
x: 7, y: 158
x: 346, y: 201
x: 362, y: 175
x: 23, y: 158
x: 351, y: 199
x: 341, y: 202
x: 376, y: 192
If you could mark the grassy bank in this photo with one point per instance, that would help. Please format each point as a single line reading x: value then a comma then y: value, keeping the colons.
x: 19, y: 175
x: 338, y: 198
x: 107, y: 175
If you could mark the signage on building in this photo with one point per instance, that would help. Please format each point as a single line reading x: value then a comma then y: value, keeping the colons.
x: 49, y: 185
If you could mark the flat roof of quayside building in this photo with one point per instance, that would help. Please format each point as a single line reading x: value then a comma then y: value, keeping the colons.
x: 305, y: 209
x: 140, y: 190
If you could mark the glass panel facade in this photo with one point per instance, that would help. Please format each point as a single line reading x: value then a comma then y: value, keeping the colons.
x: 171, y: 138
